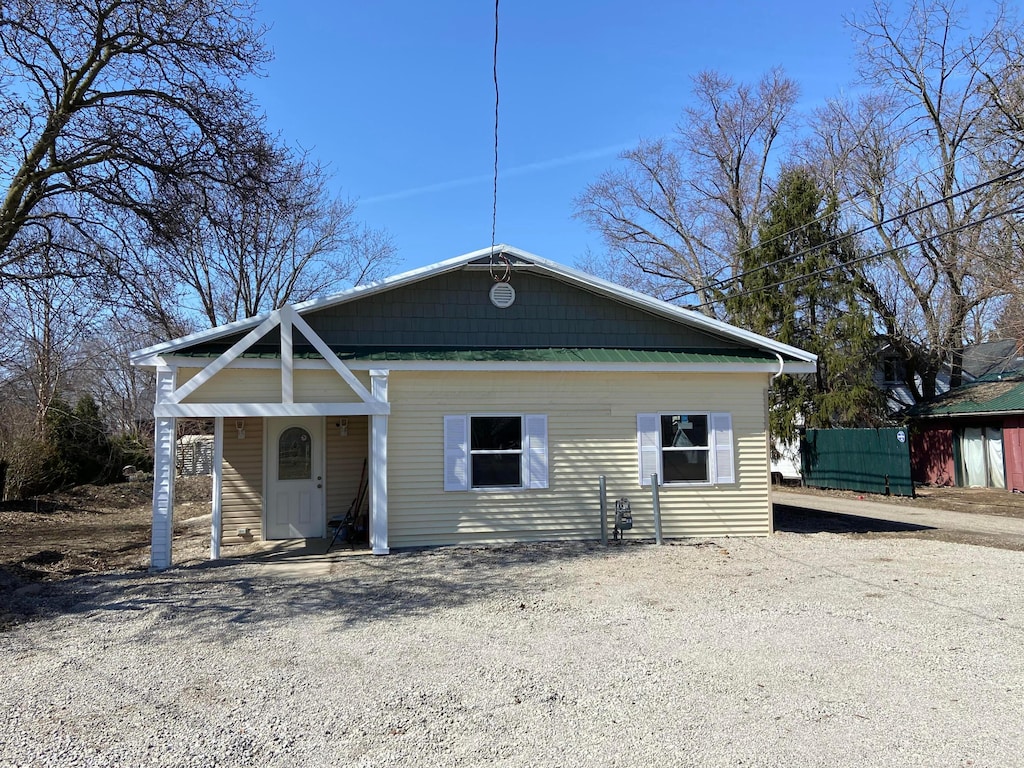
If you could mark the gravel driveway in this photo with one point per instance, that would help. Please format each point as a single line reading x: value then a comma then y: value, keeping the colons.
x: 797, y: 650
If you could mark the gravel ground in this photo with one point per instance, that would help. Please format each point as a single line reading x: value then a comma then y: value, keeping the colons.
x: 797, y: 650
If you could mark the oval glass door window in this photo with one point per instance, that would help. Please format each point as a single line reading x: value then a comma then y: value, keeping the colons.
x: 294, y: 455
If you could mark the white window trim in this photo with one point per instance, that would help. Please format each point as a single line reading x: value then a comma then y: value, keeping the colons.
x: 721, y: 452
x: 533, y: 453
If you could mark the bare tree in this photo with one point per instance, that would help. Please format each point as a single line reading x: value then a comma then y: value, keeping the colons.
x: 1003, y: 134
x: 123, y: 392
x: 1003, y: 84
x: 45, y: 330
x: 679, y: 211
x: 239, y: 248
x: 100, y: 98
x: 915, y: 160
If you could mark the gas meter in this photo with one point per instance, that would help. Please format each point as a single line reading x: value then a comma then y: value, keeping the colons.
x: 623, y: 517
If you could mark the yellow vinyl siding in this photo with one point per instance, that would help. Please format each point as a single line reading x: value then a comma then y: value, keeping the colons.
x: 591, y: 431
x: 345, y: 456
x: 236, y: 385
x: 326, y: 387
x: 263, y: 385
x: 242, y: 494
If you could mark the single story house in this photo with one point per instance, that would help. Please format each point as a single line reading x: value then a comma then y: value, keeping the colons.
x: 972, y: 435
x: 485, y: 394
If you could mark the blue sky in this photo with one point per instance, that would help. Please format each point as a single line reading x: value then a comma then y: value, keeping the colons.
x: 397, y: 98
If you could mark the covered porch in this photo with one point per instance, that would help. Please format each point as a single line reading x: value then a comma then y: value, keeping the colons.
x: 291, y: 437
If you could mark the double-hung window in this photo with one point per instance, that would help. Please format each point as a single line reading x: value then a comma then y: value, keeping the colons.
x: 495, y: 451
x: 685, y: 448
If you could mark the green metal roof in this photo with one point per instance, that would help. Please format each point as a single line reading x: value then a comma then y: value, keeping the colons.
x: 572, y: 356
x: 545, y: 355
x: 990, y: 396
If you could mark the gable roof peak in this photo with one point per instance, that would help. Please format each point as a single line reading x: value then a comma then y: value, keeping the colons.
x: 516, y: 258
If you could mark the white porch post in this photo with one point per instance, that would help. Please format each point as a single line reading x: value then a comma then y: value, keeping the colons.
x: 163, y: 476
x: 218, y: 475
x: 379, y: 467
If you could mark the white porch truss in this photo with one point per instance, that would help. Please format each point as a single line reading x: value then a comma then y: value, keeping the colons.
x: 170, y: 405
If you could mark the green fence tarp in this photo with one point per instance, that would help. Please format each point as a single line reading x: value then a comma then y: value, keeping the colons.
x: 870, y: 460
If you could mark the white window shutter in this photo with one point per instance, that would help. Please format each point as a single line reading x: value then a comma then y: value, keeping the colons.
x: 456, y: 453
x: 648, y: 440
x: 725, y: 463
x: 535, y: 451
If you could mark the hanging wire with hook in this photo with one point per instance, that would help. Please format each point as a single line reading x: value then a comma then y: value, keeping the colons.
x: 500, y: 266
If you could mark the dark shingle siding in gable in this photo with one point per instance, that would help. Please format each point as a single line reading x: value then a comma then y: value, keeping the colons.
x: 453, y: 310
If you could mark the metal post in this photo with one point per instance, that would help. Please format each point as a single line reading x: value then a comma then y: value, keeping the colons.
x: 604, y: 511
x: 657, y: 508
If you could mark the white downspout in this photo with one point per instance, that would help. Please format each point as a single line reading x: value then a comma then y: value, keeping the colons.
x: 782, y: 365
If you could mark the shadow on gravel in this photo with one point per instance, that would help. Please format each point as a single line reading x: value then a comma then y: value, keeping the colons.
x: 213, y: 600
x: 801, y: 520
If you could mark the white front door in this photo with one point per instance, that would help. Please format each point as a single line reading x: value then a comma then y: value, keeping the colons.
x: 295, y: 486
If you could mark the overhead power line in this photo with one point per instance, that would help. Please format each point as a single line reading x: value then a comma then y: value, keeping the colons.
x: 849, y: 201
x: 721, y: 284
x: 876, y: 254
x: 494, y: 72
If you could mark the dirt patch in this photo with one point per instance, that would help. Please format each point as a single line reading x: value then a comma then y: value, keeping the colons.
x: 980, y: 501
x: 93, y: 529
x: 89, y: 529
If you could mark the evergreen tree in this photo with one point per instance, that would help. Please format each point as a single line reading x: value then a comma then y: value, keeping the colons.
x: 81, y: 450
x: 795, y: 287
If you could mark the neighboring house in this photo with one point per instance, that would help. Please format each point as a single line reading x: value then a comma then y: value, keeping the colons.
x: 484, y: 410
x: 890, y: 377
x: 978, y: 361
x: 973, y: 435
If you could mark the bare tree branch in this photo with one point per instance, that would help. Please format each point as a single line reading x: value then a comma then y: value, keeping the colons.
x: 241, y: 248
x: 921, y: 135
x: 681, y: 213
x: 101, y: 98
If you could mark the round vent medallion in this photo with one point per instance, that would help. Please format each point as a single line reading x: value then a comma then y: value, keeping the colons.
x: 502, y: 295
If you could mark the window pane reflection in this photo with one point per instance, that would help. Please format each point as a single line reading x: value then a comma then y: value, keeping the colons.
x: 294, y: 455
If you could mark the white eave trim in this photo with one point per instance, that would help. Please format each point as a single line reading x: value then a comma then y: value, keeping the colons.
x: 791, y: 366
x: 583, y: 280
